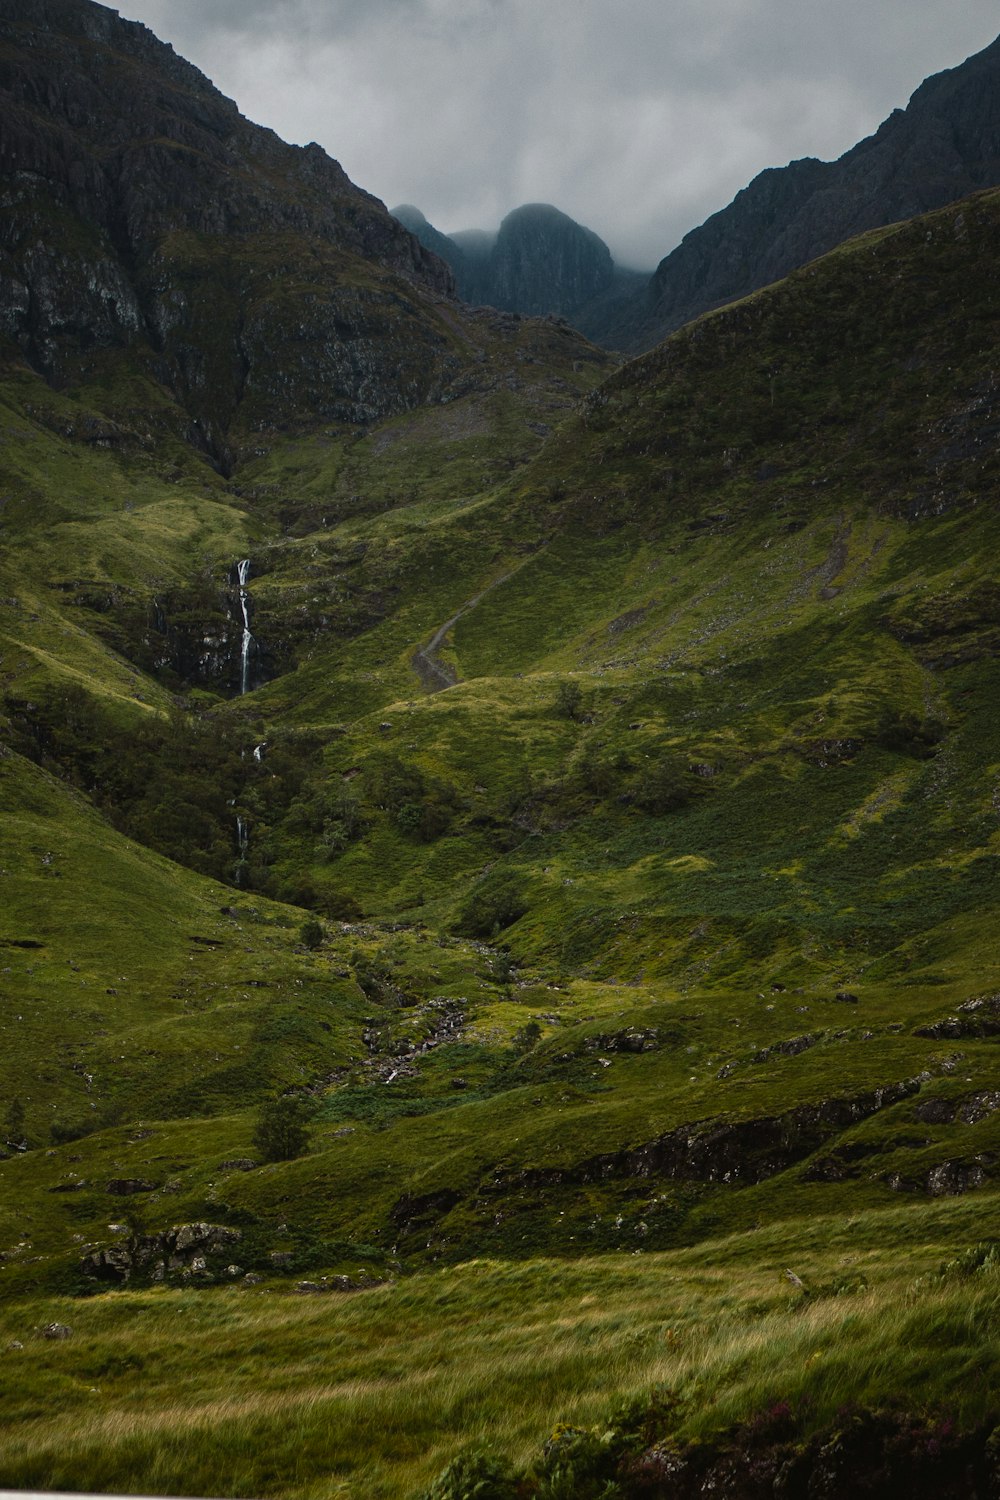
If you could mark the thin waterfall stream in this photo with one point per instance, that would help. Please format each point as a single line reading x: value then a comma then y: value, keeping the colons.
x: 243, y: 574
x: 246, y: 647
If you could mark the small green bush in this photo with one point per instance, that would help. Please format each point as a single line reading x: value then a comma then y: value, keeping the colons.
x: 477, y: 1474
x: 662, y: 786
x: 14, y: 1130
x: 311, y: 934
x: 282, y: 1132
x: 529, y: 1036
x: 910, y: 734
x: 978, y: 1259
x: 496, y: 903
x: 569, y: 698
x: 578, y: 1464
x: 63, y: 1131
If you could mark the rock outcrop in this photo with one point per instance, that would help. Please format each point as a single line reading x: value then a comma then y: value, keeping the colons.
x: 186, y: 1250
x: 730, y: 1152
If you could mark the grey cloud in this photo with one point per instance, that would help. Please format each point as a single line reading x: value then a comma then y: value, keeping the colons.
x: 638, y: 117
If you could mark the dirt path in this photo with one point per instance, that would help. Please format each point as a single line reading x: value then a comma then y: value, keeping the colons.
x: 433, y: 672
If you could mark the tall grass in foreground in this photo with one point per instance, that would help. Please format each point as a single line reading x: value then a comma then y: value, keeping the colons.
x: 239, y: 1392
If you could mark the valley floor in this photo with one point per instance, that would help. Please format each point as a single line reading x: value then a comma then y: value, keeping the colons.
x: 263, y: 1390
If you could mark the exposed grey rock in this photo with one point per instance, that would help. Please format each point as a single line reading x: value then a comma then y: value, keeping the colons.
x: 947, y: 1179
x: 630, y: 1039
x: 183, y: 1248
x: 981, y: 1004
x: 432, y: 239
x: 544, y: 262
x: 936, y: 1111
x: 716, y: 1151
x: 978, y: 1106
x: 978, y: 1016
x: 791, y: 1047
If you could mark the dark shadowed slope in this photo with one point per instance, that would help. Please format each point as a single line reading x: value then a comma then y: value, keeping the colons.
x: 945, y: 144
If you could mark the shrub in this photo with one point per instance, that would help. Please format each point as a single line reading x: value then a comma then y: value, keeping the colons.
x: 16, y: 1136
x: 662, y: 786
x: 981, y: 1258
x: 578, y: 1464
x: 425, y: 820
x: 528, y: 1037
x: 342, y: 824
x: 390, y: 783
x: 298, y: 891
x: 910, y: 734
x: 600, y: 774
x: 569, y: 697
x: 63, y: 1131
x: 282, y: 1132
x: 311, y: 934
x: 494, y: 903
x: 477, y: 1474
x: 341, y: 905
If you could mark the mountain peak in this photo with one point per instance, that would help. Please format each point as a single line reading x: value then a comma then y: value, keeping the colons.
x: 540, y: 261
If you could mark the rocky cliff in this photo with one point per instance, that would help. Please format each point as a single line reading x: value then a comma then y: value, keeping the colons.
x: 543, y: 261
x: 539, y: 262
x: 142, y: 211
x: 944, y: 145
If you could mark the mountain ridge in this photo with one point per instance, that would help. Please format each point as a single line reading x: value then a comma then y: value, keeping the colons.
x: 942, y: 146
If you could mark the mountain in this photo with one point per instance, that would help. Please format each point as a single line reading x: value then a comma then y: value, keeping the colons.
x: 540, y: 262
x: 545, y: 262
x: 944, y: 145
x: 130, y: 182
x: 498, y: 887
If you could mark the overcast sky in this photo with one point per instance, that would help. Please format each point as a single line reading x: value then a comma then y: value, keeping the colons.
x: 637, y: 117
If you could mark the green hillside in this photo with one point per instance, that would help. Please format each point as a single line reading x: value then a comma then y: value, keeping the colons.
x: 605, y: 857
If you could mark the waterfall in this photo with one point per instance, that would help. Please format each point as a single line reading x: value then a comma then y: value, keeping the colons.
x: 258, y: 751
x: 242, y: 840
x: 243, y: 573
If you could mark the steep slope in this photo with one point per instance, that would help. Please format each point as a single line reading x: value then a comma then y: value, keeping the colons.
x: 145, y: 218
x: 945, y: 144
x: 544, y: 262
x: 539, y: 262
x: 432, y: 239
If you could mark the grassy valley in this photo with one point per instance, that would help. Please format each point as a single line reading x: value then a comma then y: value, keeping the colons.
x: 603, y: 860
